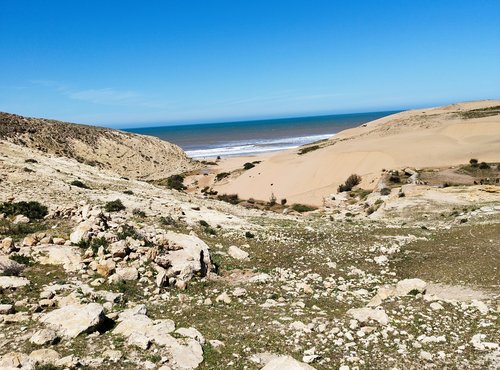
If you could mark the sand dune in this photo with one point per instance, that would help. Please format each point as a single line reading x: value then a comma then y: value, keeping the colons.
x: 442, y: 136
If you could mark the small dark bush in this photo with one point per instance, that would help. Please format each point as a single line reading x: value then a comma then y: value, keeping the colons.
x: 176, y: 182
x: 473, y: 162
x: 229, y: 198
x: 308, y: 149
x: 351, y: 182
x: 138, y: 213
x: 385, y: 191
x: 128, y: 192
x: 32, y: 210
x: 484, y: 166
x: 31, y: 160
x: 204, y: 223
x: 114, y: 206
x: 394, y: 178
x: 401, y: 194
x: 79, y: 184
x: 249, y: 235
x: 221, y: 175
x: 23, y: 260
x: 302, y: 208
x: 96, y: 243
x: 248, y: 166
x: 167, y: 221
x: 127, y: 230
x: 283, y: 201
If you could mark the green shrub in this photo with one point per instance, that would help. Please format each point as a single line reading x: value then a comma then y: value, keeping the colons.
x: 473, y: 162
x: 176, y: 182
x: 128, y: 192
x: 127, y: 230
x: 229, y: 198
x: 167, y: 221
x: 283, y: 201
x: 248, y: 166
x: 221, y: 176
x: 351, y: 182
x: 114, y: 206
x: 31, y: 160
x: 484, y: 166
x: 249, y: 235
x: 385, y: 191
x: 138, y: 213
x: 23, y: 260
x: 79, y: 184
x: 204, y: 223
x: 32, y: 210
x: 302, y: 208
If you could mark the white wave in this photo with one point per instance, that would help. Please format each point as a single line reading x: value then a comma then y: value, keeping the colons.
x: 260, y: 146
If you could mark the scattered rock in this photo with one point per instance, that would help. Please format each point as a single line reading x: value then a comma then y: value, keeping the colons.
x: 237, y: 253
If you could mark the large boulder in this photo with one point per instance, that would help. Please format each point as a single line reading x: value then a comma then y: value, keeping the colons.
x: 185, y: 256
x: 75, y: 319
x: 288, y: 363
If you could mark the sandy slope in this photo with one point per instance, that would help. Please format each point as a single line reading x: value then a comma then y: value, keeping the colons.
x: 419, y: 138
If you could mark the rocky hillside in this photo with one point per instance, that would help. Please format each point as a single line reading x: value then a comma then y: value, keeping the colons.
x: 130, y: 155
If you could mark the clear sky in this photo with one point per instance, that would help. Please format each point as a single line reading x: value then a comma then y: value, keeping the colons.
x: 130, y: 63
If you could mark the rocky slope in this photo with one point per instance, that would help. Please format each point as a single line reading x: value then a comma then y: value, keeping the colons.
x: 130, y: 155
x: 168, y: 280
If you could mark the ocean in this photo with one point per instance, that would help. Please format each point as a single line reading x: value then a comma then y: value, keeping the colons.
x: 210, y: 140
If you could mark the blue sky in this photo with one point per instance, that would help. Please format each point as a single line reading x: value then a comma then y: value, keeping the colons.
x: 132, y: 63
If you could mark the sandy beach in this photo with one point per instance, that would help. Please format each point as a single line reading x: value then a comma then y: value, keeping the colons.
x: 442, y: 136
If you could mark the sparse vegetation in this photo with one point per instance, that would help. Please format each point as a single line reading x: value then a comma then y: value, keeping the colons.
x: 385, y: 191
x: 138, y: 213
x: 114, y: 206
x: 302, y: 208
x: 229, y: 198
x: 128, y: 192
x: 308, y: 149
x: 127, y: 230
x: 79, y: 184
x: 221, y: 176
x: 33, y: 210
x: 248, y: 166
x: 176, y: 182
x: 351, y: 182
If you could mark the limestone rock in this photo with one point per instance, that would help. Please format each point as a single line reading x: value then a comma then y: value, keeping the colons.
x: 119, y: 249
x: 7, y: 282
x: 406, y: 286
x: 44, y: 356
x: 237, y: 253
x: 365, y: 314
x: 187, y: 255
x: 126, y: 274
x: 75, y: 319
x: 13, y: 360
x: 81, y: 232
x: 6, y: 309
x: 67, y: 256
x: 44, y: 336
x: 288, y: 363
x: 21, y: 219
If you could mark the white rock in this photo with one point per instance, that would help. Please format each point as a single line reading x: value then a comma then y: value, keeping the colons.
x: 436, y: 306
x: 223, y: 297
x: 44, y: 356
x: 237, y: 253
x: 7, y: 282
x: 81, y: 232
x: 20, y: 219
x: 286, y: 363
x: 404, y: 287
x: 44, y: 336
x: 75, y: 319
x: 191, y: 333
x: 6, y: 309
x: 10, y: 267
x: 67, y: 256
x: 480, y: 305
x: 365, y: 314
x: 424, y: 355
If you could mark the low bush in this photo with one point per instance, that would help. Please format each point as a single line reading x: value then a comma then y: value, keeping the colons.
x: 114, y: 206
x: 23, y: 260
x: 128, y: 192
x: 385, y: 191
x: 473, y: 162
x: 248, y: 166
x: 127, y: 230
x: 138, y: 213
x: 167, y: 221
x: 221, y: 176
x: 79, y: 184
x: 31, y: 160
x: 32, y: 210
x: 249, y: 235
x: 351, y: 182
x: 484, y: 166
x: 176, y: 182
x: 308, y: 149
x: 229, y: 198
x: 302, y: 208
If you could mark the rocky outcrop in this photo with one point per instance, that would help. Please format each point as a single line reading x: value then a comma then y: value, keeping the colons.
x: 128, y: 154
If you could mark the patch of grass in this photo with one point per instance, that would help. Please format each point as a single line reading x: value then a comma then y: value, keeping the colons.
x: 308, y: 149
x: 114, y: 206
x: 481, y: 112
x: 24, y: 260
x: 33, y: 210
x: 79, y: 184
